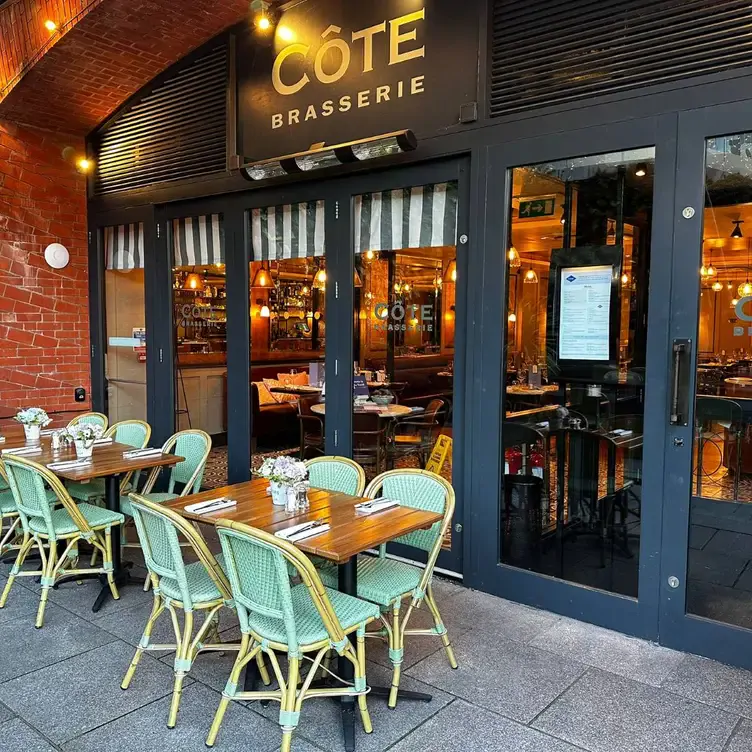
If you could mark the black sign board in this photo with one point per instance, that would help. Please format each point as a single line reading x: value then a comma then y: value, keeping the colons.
x: 336, y: 70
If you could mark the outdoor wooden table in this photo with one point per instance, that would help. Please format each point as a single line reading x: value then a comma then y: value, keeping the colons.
x: 107, y: 462
x: 349, y: 534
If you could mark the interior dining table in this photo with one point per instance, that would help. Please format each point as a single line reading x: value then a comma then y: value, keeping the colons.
x: 384, y: 411
x: 108, y: 462
x: 350, y: 533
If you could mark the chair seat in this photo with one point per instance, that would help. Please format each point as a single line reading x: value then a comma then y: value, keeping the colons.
x: 407, y: 439
x: 63, y: 524
x: 157, y: 498
x: 94, y: 489
x: 200, y: 584
x: 308, y: 625
x: 380, y: 580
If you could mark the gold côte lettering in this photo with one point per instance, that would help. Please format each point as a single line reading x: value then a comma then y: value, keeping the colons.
x: 382, y: 93
x: 333, y: 44
x: 279, y: 85
x: 397, y: 38
x: 416, y: 84
x: 327, y: 108
x: 363, y: 100
x: 278, y: 120
x: 293, y: 116
x: 345, y: 103
x: 310, y: 113
x: 367, y: 36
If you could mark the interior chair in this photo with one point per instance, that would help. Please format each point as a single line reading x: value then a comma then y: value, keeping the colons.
x: 718, y: 430
x: 200, y: 587
x: 369, y: 440
x: 97, y: 419
x: 311, y: 427
x: 416, y: 436
x: 44, y: 526
x: 336, y: 474
x: 304, y: 621
x: 387, y: 582
x: 135, y: 433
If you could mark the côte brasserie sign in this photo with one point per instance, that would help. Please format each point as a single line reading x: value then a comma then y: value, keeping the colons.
x: 338, y: 71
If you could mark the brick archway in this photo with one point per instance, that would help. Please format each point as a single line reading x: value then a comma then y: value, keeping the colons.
x: 104, y: 51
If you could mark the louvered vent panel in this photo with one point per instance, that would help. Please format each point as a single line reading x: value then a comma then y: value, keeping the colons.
x: 547, y: 52
x: 175, y: 132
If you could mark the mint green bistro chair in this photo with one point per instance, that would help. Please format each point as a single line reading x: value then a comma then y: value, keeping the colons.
x: 45, y: 524
x: 135, y: 433
x: 192, y: 444
x: 336, y: 474
x: 200, y: 586
x: 297, y: 620
x: 387, y: 582
x: 8, y: 516
x: 97, y: 419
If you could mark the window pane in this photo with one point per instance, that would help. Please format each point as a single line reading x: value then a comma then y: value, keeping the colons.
x: 719, y: 582
x: 578, y: 261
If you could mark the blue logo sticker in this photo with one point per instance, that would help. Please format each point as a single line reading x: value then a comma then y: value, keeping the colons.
x: 571, y: 278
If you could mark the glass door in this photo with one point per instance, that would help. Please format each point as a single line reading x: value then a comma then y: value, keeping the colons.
x: 409, y: 255
x: 573, y: 278
x: 707, y: 583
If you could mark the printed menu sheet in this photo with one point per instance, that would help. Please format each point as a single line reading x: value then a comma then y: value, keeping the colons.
x: 585, y: 304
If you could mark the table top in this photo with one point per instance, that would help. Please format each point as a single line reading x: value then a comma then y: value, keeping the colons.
x: 388, y: 411
x: 107, y: 459
x: 742, y: 381
x: 349, y: 534
x: 300, y: 389
x: 532, y: 390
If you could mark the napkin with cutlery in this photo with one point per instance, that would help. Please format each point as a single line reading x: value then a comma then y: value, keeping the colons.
x: 302, y: 531
x: 24, y: 450
x: 47, y: 431
x: 103, y: 440
x: 69, y: 464
x: 135, y: 454
x: 211, y: 505
x: 376, y: 505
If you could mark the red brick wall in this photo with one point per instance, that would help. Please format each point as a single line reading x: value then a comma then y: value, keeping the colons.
x: 44, y: 316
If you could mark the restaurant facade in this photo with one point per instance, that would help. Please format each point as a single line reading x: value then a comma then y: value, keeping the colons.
x: 525, y: 221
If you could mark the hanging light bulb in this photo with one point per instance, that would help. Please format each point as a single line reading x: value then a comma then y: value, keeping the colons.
x: 512, y: 318
x: 264, y: 313
x: 625, y: 278
x: 514, y: 258
x: 710, y: 271
x: 531, y: 278
x: 319, y: 281
x: 450, y: 275
x: 703, y: 271
x: 737, y: 231
x: 734, y: 301
x: 745, y: 289
x: 717, y: 286
x: 729, y: 286
x: 262, y: 278
x: 193, y: 282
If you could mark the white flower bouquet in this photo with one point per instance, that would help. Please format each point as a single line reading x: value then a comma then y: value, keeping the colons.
x: 33, y: 416
x: 84, y: 432
x: 285, y: 476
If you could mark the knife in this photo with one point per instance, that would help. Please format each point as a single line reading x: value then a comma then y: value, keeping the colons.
x: 305, y: 528
x: 207, y: 505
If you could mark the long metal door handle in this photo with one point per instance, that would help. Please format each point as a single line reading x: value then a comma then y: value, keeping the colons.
x: 680, y: 379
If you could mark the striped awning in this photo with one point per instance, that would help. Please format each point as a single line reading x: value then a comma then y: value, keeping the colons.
x: 418, y: 217
x: 198, y: 241
x: 288, y: 231
x: 124, y: 247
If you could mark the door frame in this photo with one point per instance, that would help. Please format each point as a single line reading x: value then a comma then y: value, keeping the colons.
x: 457, y: 167
x: 696, y: 634
x: 638, y: 617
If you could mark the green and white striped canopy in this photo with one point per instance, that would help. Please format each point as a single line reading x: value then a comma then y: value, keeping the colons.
x: 124, y: 247
x: 288, y: 231
x: 198, y: 241
x: 418, y: 217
